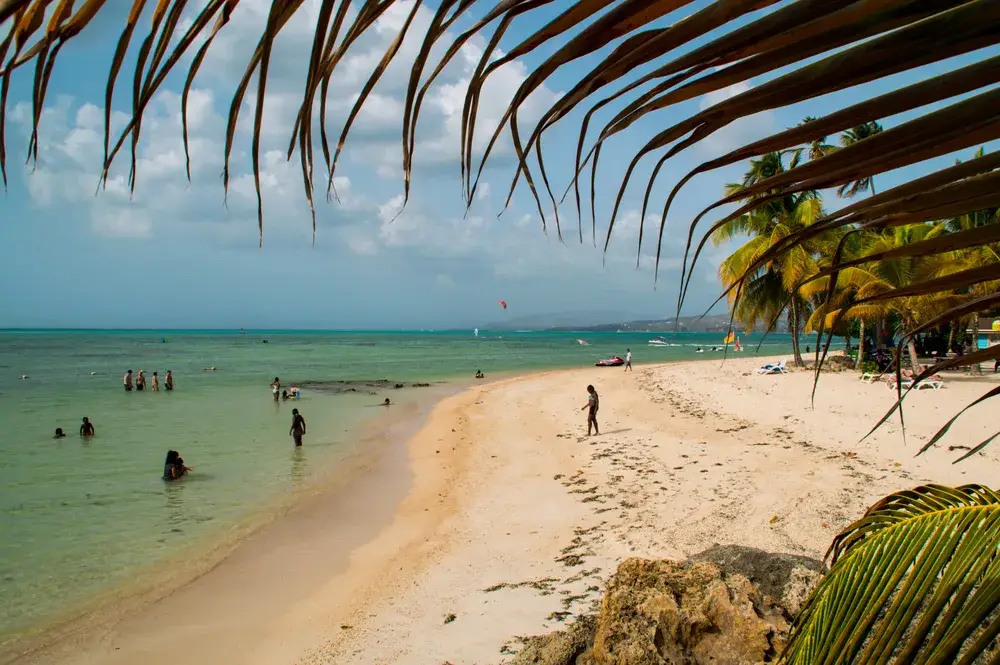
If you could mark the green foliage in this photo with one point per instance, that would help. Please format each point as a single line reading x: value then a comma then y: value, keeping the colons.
x: 916, y: 580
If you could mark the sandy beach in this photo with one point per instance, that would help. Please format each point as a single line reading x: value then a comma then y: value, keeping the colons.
x: 513, y: 519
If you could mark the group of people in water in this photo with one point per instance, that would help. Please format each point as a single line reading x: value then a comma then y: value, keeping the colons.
x: 86, y: 430
x: 139, y: 381
x: 279, y: 393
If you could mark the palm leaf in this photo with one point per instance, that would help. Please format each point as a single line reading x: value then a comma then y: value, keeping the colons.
x: 916, y: 580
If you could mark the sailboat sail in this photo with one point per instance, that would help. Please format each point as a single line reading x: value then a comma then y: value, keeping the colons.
x: 729, y: 338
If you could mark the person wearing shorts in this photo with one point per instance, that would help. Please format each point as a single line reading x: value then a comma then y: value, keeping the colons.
x: 127, y: 381
x: 592, y: 405
x: 298, y: 428
x: 628, y: 360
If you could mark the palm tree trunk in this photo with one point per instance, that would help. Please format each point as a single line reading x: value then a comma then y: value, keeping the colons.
x: 861, y: 346
x: 795, y: 332
x: 976, y: 369
x: 951, y: 337
x: 911, y: 346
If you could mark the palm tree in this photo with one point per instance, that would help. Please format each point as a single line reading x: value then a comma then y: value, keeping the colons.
x: 818, y: 147
x: 852, y: 136
x: 772, y: 289
x: 869, y: 280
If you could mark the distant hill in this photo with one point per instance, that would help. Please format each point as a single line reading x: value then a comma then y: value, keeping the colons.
x: 708, y: 323
x: 578, y: 322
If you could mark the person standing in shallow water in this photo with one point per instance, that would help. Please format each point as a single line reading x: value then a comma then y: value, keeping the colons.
x: 155, y: 385
x: 593, y: 404
x: 298, y: 428
x: 127, y: 381
x: 276, y: 388
x: 168, y: 381
x: 87, y: 428
x: 140, y: 381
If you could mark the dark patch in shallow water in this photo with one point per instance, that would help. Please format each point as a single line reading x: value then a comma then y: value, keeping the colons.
x: 360, y: 386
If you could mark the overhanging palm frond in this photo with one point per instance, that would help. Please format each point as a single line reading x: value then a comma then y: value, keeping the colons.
x: 916, y: 580
x: 865, y: 40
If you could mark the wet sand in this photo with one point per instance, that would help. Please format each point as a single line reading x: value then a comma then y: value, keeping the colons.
x: 229, y: 605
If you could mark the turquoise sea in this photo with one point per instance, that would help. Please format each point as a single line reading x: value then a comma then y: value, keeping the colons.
x: 81, y: 517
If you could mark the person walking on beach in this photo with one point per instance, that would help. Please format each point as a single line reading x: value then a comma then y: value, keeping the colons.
x: 298, y: 428
x: 87, y: 428
x: 127, y: 380
x: 593, y: 404
x: 155, y: 383
x: 276, y: 388
x: 628, y: 360
x: 168, y: 381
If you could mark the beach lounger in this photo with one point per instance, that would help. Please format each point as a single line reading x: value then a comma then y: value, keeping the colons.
x: 871, y: 377
x: 935, y: 383
x: 773, y: 368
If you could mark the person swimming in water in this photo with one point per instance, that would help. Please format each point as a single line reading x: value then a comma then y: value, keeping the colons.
x: 173, y: 467
x: 479, y: 374
x: 87, y: 428
x: 59, y: 434
x: 386, y: 402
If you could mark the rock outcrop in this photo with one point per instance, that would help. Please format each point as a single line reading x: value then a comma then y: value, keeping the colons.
x: 726, y: 606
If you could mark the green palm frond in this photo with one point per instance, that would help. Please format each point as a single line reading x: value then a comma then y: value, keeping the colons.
x: 916, y: 580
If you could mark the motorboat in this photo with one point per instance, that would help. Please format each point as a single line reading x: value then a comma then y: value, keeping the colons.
x: 659, y: 341
x: 613, y: 361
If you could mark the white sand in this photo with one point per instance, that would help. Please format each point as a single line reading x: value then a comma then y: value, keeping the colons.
x: 507, y: 491
x: 691, y: 454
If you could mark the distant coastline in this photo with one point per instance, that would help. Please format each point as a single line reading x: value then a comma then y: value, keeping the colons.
x: 712, y: 323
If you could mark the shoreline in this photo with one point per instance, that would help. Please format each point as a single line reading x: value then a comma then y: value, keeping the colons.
x: 510, y: 520
x: 526, y: 518
x: 375, y: 444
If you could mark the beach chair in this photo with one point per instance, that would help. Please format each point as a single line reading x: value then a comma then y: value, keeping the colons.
x: 934, y: 382
x: 773, y: 368
x: 871, y: 377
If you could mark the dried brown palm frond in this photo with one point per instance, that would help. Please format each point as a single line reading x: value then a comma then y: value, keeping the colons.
x: 867, y: 40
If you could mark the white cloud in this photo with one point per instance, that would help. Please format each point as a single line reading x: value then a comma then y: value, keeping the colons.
x: 366, y: 221
x: 363, y: 246
x: 122, y: 223
x: 738, y: 133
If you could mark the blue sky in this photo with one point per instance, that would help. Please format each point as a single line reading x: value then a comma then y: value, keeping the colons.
x: 176, y: 256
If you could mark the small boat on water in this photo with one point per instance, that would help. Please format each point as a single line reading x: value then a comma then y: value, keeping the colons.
x: 659, y: 341
x: 613, y: 361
